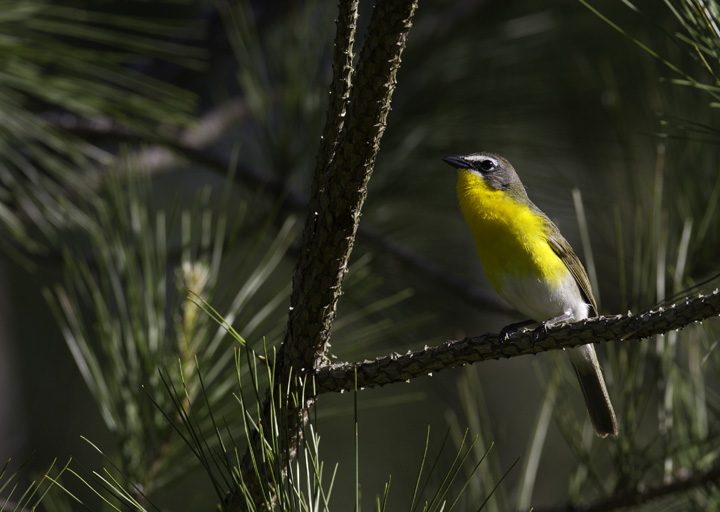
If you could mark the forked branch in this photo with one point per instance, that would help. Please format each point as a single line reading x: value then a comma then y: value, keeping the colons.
x: 359, y: 105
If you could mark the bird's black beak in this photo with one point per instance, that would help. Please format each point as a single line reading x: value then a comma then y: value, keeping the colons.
x: 458, y: 162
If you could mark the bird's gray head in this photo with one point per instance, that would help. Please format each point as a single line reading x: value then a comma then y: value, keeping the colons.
x: 497, y: 172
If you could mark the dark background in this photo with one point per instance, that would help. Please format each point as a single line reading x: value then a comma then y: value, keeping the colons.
x: 572, y: 103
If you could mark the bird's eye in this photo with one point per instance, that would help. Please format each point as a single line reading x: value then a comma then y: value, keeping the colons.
x: 487, y: 165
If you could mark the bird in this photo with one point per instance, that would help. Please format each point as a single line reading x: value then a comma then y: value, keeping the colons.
x: 531, y: 265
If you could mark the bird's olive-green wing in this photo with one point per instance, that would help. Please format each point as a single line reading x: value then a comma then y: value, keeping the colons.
x: 567, y: 255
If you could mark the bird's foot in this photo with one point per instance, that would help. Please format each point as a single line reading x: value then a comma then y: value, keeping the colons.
x: 539, y: 331
x: 548, y: 324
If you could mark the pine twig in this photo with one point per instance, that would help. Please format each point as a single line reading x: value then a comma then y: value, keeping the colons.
x: 642, y: 494
x: 451, y: 354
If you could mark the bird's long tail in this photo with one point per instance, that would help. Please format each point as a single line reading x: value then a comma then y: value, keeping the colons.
x: 594, y: 391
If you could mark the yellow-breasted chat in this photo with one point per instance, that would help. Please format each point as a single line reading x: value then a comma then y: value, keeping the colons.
x: 530, y: 264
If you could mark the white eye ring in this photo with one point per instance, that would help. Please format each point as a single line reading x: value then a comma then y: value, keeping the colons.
x: 483, y: 163
x: 487, y: 164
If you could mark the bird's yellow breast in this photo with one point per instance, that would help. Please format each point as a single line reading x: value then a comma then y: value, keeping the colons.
x: 510, y: 238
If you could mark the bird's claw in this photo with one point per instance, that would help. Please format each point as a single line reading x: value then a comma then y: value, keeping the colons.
x: 539, y: 331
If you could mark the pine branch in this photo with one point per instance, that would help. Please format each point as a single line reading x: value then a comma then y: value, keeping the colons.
x: 339, y: 89
x: 338, y: 193
x: 340, y: 189
x: 642, y: 494
x: 398, y: 368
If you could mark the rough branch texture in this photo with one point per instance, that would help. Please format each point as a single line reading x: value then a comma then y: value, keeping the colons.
x: 339, y: 91
x: 340, y: 189
x: 356, y: 121
x: 397, y: 368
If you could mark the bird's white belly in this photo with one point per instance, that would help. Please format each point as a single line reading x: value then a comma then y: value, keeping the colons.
x: 540, y: 300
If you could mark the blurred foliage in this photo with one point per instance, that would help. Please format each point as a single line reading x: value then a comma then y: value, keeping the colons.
x: 18, y: 496
x: 618, y: 100
x: 132, y: 287
x: 60, y: 63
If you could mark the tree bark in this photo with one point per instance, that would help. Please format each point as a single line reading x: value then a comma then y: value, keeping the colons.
x: 357, y: 116
x: 451, y: 354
